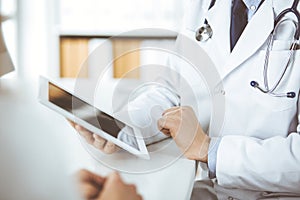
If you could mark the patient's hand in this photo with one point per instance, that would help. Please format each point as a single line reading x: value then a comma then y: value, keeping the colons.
x: 89, y: 184
x: 93, y: 186
x: 114, y: 188
x: 95, y: 140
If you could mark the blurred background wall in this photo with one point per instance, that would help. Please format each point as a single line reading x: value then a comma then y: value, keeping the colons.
x: 41, y: 35
x: 54, y: 38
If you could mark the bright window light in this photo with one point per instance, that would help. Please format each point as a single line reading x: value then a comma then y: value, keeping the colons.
x: 119, y: 15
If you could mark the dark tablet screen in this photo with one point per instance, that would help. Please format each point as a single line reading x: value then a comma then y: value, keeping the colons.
x: 84, y: 111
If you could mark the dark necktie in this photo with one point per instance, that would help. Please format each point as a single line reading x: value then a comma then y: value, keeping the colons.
x: 239, y: 20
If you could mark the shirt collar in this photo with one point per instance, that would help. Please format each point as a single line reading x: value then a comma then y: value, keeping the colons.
x: 252, y: 4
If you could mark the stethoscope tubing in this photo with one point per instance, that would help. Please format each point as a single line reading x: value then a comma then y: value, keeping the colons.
x: 290, y: 58
x: 293, y: 10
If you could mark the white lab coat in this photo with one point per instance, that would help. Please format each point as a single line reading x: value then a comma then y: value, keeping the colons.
x: 260, y: 146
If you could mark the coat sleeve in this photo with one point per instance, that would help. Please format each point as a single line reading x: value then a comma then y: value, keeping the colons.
x: 154, y: 98
x: 270, y: 165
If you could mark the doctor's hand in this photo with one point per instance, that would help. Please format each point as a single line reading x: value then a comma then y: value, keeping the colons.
x: 95, y: 140
x: 93, y: 186
x: 182, y: 124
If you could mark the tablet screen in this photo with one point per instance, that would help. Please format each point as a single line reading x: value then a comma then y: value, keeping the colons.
x: 85, y: 111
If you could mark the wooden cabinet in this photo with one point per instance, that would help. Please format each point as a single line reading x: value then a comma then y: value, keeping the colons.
x: 126, y: 58
x: 73, y: 53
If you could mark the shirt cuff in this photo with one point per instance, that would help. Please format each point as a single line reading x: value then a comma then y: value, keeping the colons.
x: 212, y: 156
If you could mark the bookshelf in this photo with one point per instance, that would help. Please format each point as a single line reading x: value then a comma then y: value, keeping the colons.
x: 74, y: 50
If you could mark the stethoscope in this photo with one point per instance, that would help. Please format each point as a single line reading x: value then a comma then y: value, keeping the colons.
x: 205, y: 32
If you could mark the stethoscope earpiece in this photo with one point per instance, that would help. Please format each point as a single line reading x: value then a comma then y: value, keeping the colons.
x: 291, y: 94
x: 255, y: 84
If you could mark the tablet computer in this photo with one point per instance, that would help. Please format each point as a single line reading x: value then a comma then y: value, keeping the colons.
x: 106, y: 126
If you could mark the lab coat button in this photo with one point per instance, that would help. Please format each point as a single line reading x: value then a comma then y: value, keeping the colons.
x: 253, y: 7
x: 230, y: 198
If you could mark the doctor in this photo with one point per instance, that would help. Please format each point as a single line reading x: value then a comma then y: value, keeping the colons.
x: 257, y: 153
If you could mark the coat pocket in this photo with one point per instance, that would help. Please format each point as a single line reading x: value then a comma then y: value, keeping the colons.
x: 290, y: 79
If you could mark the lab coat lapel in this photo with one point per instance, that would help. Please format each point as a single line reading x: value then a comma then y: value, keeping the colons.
x: 253, y: 37
x: 219, y: 19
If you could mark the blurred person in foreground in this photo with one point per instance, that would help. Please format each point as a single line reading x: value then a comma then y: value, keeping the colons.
x: 93, y: 186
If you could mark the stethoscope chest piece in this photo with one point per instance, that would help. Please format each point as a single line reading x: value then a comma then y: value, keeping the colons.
x: 204, y: 33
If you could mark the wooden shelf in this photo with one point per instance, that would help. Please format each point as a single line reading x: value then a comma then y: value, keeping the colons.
x: 74, y: 50
x: 138, y: 34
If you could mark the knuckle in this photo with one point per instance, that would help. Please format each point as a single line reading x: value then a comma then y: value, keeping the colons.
x: 85, y: 133
x: 98, y: 138
x: 100, y: 143
x: 98, y: 146
x: 115, y: 177
x: 82, y: 173
x: 89, y: 140
x: 117, y: 148
x: 161, y: 122
x: 105, y: 150
x: 108, y: 150
x: 79, y: 128
x: 132, y: 187
x: 158, y: 123
x: 110, y: 145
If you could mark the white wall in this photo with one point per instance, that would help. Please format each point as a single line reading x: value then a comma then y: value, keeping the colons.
x: 36, y: 38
